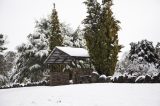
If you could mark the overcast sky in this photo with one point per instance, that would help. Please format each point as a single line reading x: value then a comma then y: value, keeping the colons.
x: 140, y: 19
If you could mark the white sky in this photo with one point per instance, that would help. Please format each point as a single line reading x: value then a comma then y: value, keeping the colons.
x: 140, y: 19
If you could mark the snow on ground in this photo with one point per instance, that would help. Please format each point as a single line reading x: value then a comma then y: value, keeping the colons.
x: 83, y: 95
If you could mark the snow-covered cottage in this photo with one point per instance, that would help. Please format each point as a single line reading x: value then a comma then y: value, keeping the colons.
x: 66, y: 56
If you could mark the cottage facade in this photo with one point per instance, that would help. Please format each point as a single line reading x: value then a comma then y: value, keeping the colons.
x: 65, y: 56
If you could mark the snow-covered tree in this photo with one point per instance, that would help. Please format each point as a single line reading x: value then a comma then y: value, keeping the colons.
x: 158, y: 49
x: 48, y: 33
x: 44, y: 27
x: 66, y: 32
x: 29, y: 65
x: 10, y: 57
x: 10, y: 62
x: 141, y: 60
x: 123, y: 63
x: 72, y: 38
x: 3, y: 73
x: 143, y: 50
x: 77, y: 38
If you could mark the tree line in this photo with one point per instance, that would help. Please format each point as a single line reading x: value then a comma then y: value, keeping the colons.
x: 99, y: 36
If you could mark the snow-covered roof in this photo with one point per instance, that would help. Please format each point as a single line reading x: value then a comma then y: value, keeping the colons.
x: 75, y: 52
x: 66, y: 54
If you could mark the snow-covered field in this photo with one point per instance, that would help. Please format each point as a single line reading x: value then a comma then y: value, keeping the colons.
x: 106, y: 94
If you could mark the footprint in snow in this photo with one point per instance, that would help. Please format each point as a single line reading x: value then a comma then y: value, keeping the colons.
x: 58, y: 101
x: 49, y: 100
x: 33, y: 102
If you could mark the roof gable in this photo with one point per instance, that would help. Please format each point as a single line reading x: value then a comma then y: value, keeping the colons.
x: 66, y: 55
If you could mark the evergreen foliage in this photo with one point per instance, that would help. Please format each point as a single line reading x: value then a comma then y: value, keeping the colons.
x: 10, y: 58
x: 101, y: 34
x: 31, y: 55
x: 143, y: 50
x: 78, y: 38
x: 29, y: 65
x: 158, y: 49
x: 72, y: 38
x: 3, y: 73
x: 141, y: 60
x: 55, y: 38
x: 2, y: 42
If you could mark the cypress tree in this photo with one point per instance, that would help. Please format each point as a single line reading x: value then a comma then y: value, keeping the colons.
x: 91, y: 28
x: 102, y: 38
x: 110, y: 27
x: 55, y: 38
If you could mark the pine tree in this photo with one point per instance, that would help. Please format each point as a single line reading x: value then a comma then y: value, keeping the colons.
x: 3, y: 73
x: 101, y: 34
x: 55, y: 38
x: 31, y: 55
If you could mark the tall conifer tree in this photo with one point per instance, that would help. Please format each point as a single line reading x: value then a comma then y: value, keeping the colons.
x: 110, y: 27
x: 102, y: 36
x: 55, y: 37
x: 91, y: 28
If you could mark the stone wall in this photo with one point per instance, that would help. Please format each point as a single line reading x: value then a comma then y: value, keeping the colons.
x: 81, y: 75
x: 77, y: 75
x: 59, y: 78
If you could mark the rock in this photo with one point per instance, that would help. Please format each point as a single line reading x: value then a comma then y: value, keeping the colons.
x: 148, y: 79
x: 114, y: 80
x: 125, y: 78
x: 155, y: 79
x: 132, y: 79
x: 102, y: 78
x: 94, y: 77
x: 108, y: 79
x: 120, y: 79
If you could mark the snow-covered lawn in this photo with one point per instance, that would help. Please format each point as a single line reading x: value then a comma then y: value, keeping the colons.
x: 106, y: 94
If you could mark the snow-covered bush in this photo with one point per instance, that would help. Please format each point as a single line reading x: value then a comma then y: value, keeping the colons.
x: 140, y: 79
x: 156, y: 78
x: 140, y: 61
x: 143, y: 50
x: 102, y: 78
x: 94, y: 77
x: 123, y: 78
